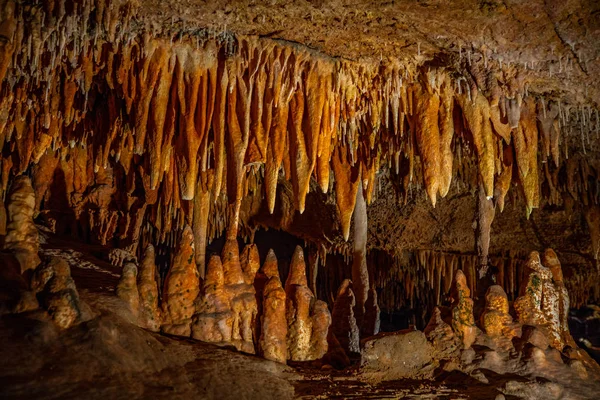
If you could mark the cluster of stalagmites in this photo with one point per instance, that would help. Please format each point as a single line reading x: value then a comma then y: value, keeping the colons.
x: 29, y: 284
x: 238, y: 302
x: 531, y: 339
x: 122, y: 129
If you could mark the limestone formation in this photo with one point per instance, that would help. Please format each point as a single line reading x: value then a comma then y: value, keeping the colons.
x: 227, y: 309
x: 149, y: 316
x: 371, y: 322
x: 560, y: 326
x: 307, y: 319
x: 21, y: 234
x: 343, y: 320
x: 59, y: 295
x: 273, y: 345
x: 321, y: 325
x: 127, y: 289
x: 213, y: 320
x: 181, y: 288
x: 496, y: 320
x: 463, y: 321
x: 250, y: 263
x: 446, y: 344
x: 543, y: 300
x: 242, y: 296
x: 398, y: 355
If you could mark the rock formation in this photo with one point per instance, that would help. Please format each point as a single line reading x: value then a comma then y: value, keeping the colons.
x: 57, y: 292
x: 543, y: 299
x: 181, y: 288
x: 343, y: 321
x: 127, y: 289
x: 468, y: 131
x: 213, y: 321
x: 273, y: 345
x: 241, y: 295
x: 307, y: 318
x: 463, y: 321
x: 371, y: 322
x: 496, y: 320
x: 149, y: 316
x: 21, y: 234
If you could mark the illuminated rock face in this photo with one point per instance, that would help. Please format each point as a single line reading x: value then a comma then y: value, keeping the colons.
x: 343, y: 321
x: 308, y: 319
x: 496, y: 320
x: 21, y: 234
x: 127, y: 289
x: 463, y: 321
x: 181, y: 288
x: 58, y: 293
x: 544, y: 302
x: 139, y: 136
x: 149, y: 315
x: 272, y: 343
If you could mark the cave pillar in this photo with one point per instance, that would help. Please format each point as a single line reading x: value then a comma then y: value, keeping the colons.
x: 484, y: 215
x: 360, y: 274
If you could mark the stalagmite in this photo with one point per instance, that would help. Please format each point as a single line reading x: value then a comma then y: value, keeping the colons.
x: 21, y: 234
x: 241, y: 297
x: 148, y: 291
x: 127, y: 289
x: 307, y: 320
x: 495, y: 320
x: 213, y: 320
x: 200, y: 226
x: 250, y: 263
x: 343, y: 321
x: 272, y: 342
x: 484, y: 218
x: 543, y: 302
x: 360, y: 274
x: 463, y: 321
x: 560, y: 325
x: 59, y: 295
x: 181, y: 288
x: 371, y: 322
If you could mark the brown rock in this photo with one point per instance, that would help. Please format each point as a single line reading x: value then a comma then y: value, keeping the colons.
x: 250, y: 261
x: 273, y: 336
x: 544, y: 301
x: 560, y: 325
x: 242, y: 298
x: 302, y: 312
x: 496, y: 320
x: 148, y: 291
x: 441, y: 336
x: 343, y: 321
x: 181, y: 288
x: 463, y: 321
x: 321, y: 322
x: 59, y: 296
x: 127, y: 289
x: 21, y: 234
x: 213, y: 320
x: 371, y: 322
x: 398, y: 355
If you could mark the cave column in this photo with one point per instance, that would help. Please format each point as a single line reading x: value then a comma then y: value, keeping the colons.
x: 484, y: 215
x: 360, y: 273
